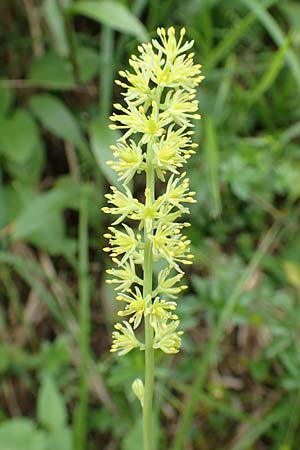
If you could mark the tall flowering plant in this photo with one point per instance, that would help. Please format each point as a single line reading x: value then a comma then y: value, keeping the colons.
x: 159, y: 106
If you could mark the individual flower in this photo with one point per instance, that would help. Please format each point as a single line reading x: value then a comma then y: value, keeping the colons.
x: 145, y: 213
x: 136, y: 120
x: 177, y: 191
x: 160, y: 311
x: 124, y: 339
x: 172, y: 151
x: 167, y: 285
x: 170, y: 244
x: 167, y: 338
x: 122, y: 243
x: 123, y: 204
x: 181, y: 106
x: 129, y: 160
x: 124, y: 276
x: 136, y: 306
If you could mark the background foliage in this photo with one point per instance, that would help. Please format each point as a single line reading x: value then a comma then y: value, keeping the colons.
x: 235, y: 385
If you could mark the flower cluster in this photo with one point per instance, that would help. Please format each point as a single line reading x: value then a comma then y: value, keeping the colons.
x: 159, y: 105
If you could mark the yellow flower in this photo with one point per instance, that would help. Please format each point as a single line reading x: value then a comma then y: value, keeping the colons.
x: 170, y: 244
x: 136, y: 306
x: 181, y: 106
x: 177, y: 191
x: 136, y: 120
x: 172, y: 151
x: 122, y: 243
x: 167, y: 338
x: 124, y: 204
x: 124, y: 339
x: 160, y: 311
x: 124, y: 276
x: 130, y: 160
x: 166, y: 284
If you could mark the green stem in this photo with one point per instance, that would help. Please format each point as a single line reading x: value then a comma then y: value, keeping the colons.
x: 148, y: 278
x: 106, y: 71
x: 71, y: 44
x: 80, y: 423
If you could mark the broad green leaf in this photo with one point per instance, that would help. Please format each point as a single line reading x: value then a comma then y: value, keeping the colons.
x: 55, y: 355
x: 51, y: 70
x: 52, y: 237
x: 54, y: 71
x: 51, y: 410
x: 19, y: 434
x: 88, y: 60
x: 18, y: 136
x: 56, y: 117
x: 49, y: 235
x: 35, y: 216
x: 101, y: 138
x: 112, y: 14
x: 60, y: 439
x: 134, y: 437
x: 6, y: 99
x: 39, y: 440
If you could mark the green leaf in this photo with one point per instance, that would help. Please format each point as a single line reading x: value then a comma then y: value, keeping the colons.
x: 18, y: 136
x: 112, y: 14
x: 88, y: 61
x: 134, y: 437
x: 51, y: 410
x: 29, y: 171
x: 19, y: 434
x: 56, y: 25
x: 51, y: 70
x: 38, y: 441
x: 6, y: 99
x: 54, y: 71
x: 60, y: 439
x: 52, y: 237
x: 101, y: 138
x: 36, y: 215
x: 56, y: 117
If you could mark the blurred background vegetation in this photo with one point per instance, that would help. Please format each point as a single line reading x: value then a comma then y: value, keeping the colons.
x: 236, y: 383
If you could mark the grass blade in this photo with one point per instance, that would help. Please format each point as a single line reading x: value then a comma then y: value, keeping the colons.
x: 80, y: 421
x: 212, y: 161
x: 205, y: 362
x: 271, y: 73
x: 261, y: 426
x: 276, y: 33
x: 231, y: 39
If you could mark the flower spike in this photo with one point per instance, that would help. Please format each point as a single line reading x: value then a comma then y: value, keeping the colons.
x: 157, y: 117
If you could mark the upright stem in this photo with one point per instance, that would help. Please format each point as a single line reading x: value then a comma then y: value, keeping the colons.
x: 148, y: 275
x: 106, y: 71
x: 80, y: 419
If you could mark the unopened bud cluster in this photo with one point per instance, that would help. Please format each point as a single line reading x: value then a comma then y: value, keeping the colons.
x: 160, y: 103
